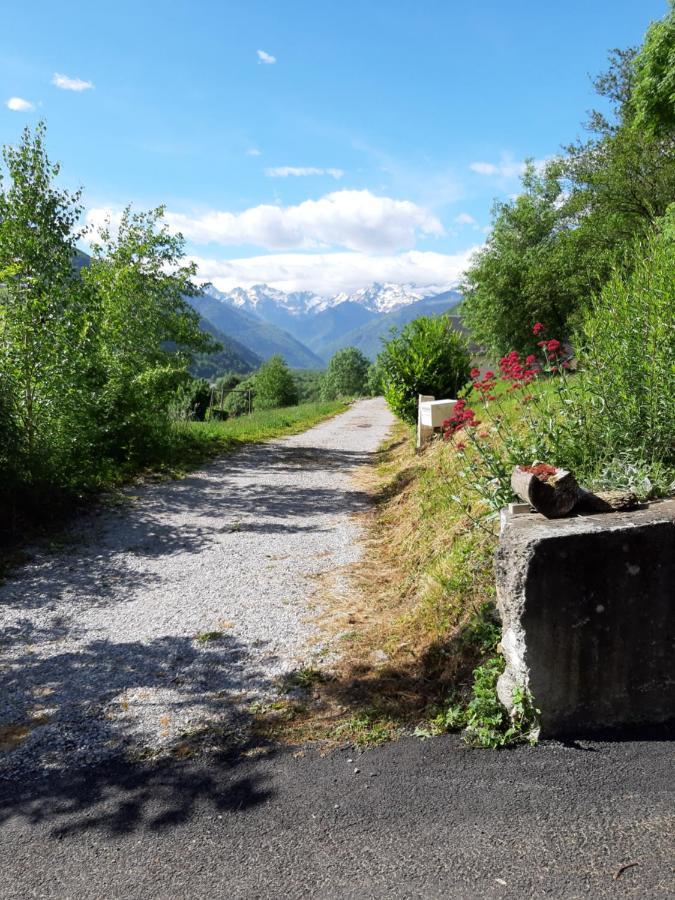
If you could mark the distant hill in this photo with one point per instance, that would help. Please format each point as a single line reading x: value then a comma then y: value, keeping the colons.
x: 368, y: 338
x: 234, y: 357
x: 263, y: 338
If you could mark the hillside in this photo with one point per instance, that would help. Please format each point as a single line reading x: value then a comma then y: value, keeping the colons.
x: 368, y: 337
x: 263, y: 338
x: 234, y: 357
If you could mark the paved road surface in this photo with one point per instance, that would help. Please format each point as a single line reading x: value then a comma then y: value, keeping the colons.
x: 420, y: 819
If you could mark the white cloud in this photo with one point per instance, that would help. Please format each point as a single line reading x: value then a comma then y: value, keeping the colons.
x: 507, y: 167
x: 70, y: 84
x: 18, y: 104
x: 253, y: 151
x: 266, y: 58
x: 465, y: 219
x: 330, y: 273
x: 285, y: 171
x: 355, y: 220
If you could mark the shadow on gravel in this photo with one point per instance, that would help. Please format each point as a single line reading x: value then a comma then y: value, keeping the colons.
x: 123, y: 798
x: 104, y: 700
x: 97, y: 563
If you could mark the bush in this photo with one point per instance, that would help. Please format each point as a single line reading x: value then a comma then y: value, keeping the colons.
x: 346, y: 375
x: 427, y: 357
x: 308, y: 383
x: 627, y: 359
x: 274, y: 385
x: 612, y: 422
x: 236, y: 403
x: 375, y: 381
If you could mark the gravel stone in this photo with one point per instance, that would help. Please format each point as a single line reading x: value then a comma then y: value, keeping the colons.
x: 178, y: 608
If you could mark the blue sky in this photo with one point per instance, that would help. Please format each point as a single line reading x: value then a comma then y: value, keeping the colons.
x: 312, y: 145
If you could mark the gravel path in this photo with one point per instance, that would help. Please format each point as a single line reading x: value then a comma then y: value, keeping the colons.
x: 183, y: 605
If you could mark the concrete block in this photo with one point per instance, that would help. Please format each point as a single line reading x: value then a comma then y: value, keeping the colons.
x: 588, y: 615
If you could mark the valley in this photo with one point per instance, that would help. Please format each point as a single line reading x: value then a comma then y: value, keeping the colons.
x: 307, y: 329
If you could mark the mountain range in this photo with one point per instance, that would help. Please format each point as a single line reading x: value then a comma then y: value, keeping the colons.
x: 306, y: 329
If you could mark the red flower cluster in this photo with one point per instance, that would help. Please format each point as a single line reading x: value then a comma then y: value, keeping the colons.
x: 461, y: 417
x: 542, y: 471
x: 514, y: 370
x: 552, y: 347
x: 538, y: 328
x: 484, y: 385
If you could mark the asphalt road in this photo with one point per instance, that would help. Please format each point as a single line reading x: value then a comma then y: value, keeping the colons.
x: 419, y: 819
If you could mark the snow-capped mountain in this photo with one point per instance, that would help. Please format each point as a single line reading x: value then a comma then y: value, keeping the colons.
x: 308, y: 326
x: 377, y: 298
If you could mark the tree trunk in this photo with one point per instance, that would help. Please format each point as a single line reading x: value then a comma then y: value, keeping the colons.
x: 606, y: 501
x: 553, y: 498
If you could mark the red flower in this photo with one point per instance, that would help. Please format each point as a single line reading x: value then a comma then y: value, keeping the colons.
x: 529, y: 360
x: 538, y: 328
x: 460, y: 445
x: 475, y: 373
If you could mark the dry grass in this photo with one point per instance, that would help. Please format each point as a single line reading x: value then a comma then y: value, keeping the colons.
x: 406, y: 619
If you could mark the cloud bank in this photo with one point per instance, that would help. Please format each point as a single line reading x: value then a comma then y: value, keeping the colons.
x: 353, y: 220
x: 330, y: 273
x: 299, y: 171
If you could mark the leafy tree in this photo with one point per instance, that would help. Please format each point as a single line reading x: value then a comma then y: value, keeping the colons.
x: 553, y: 248
x: 426, y: 357
x: 375, y: 381
x: 274, y: 385
x: 346, y: 375
x: 145, y: 328
x: 45, y: 325
x: 653, y: 83
x: 529, y: 269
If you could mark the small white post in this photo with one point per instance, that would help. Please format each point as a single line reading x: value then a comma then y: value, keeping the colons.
x: 424, y: 432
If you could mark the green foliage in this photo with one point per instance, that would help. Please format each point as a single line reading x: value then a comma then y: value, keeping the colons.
x: 653, y: 82
x: 375, y: 380
x: 485, y: 720
x: 45, y: 323
x: 346, y: 375
x: 308, y: 383
x: 426, y: 357
x: 191, y: 400
x: 93, y: 360
x: 274, y: 385
x: 238, y: 401
x: 619, y: 414
x: 553, y: 248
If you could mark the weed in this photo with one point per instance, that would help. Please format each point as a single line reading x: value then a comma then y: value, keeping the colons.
x: 206, y: 636
x: 304, y: 678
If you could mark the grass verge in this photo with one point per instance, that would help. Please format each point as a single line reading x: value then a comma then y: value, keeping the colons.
x: 418, y: 617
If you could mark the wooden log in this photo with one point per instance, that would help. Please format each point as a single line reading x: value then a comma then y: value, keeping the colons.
x: 552, y: 493
x: 606, y: 501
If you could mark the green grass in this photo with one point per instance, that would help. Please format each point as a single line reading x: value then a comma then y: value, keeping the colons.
x: 193, y: 442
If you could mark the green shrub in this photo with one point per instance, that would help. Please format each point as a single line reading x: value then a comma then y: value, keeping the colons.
x: 426, y: 357
x: 346, y: 375
x: 274, y: 385
x: 624, y: 396
x: 237, y: 401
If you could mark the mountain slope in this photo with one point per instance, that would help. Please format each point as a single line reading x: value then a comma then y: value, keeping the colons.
x: 234, y: 357
x: 368, y: 338
x: 263, y: 338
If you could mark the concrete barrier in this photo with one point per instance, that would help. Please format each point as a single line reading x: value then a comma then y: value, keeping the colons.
x: 588, y: 614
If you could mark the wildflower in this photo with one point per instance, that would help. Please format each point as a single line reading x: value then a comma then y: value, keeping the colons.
x: 474, y: 373
x: 460, y: 445
x: 538, y: 328
x: 530, y: 360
